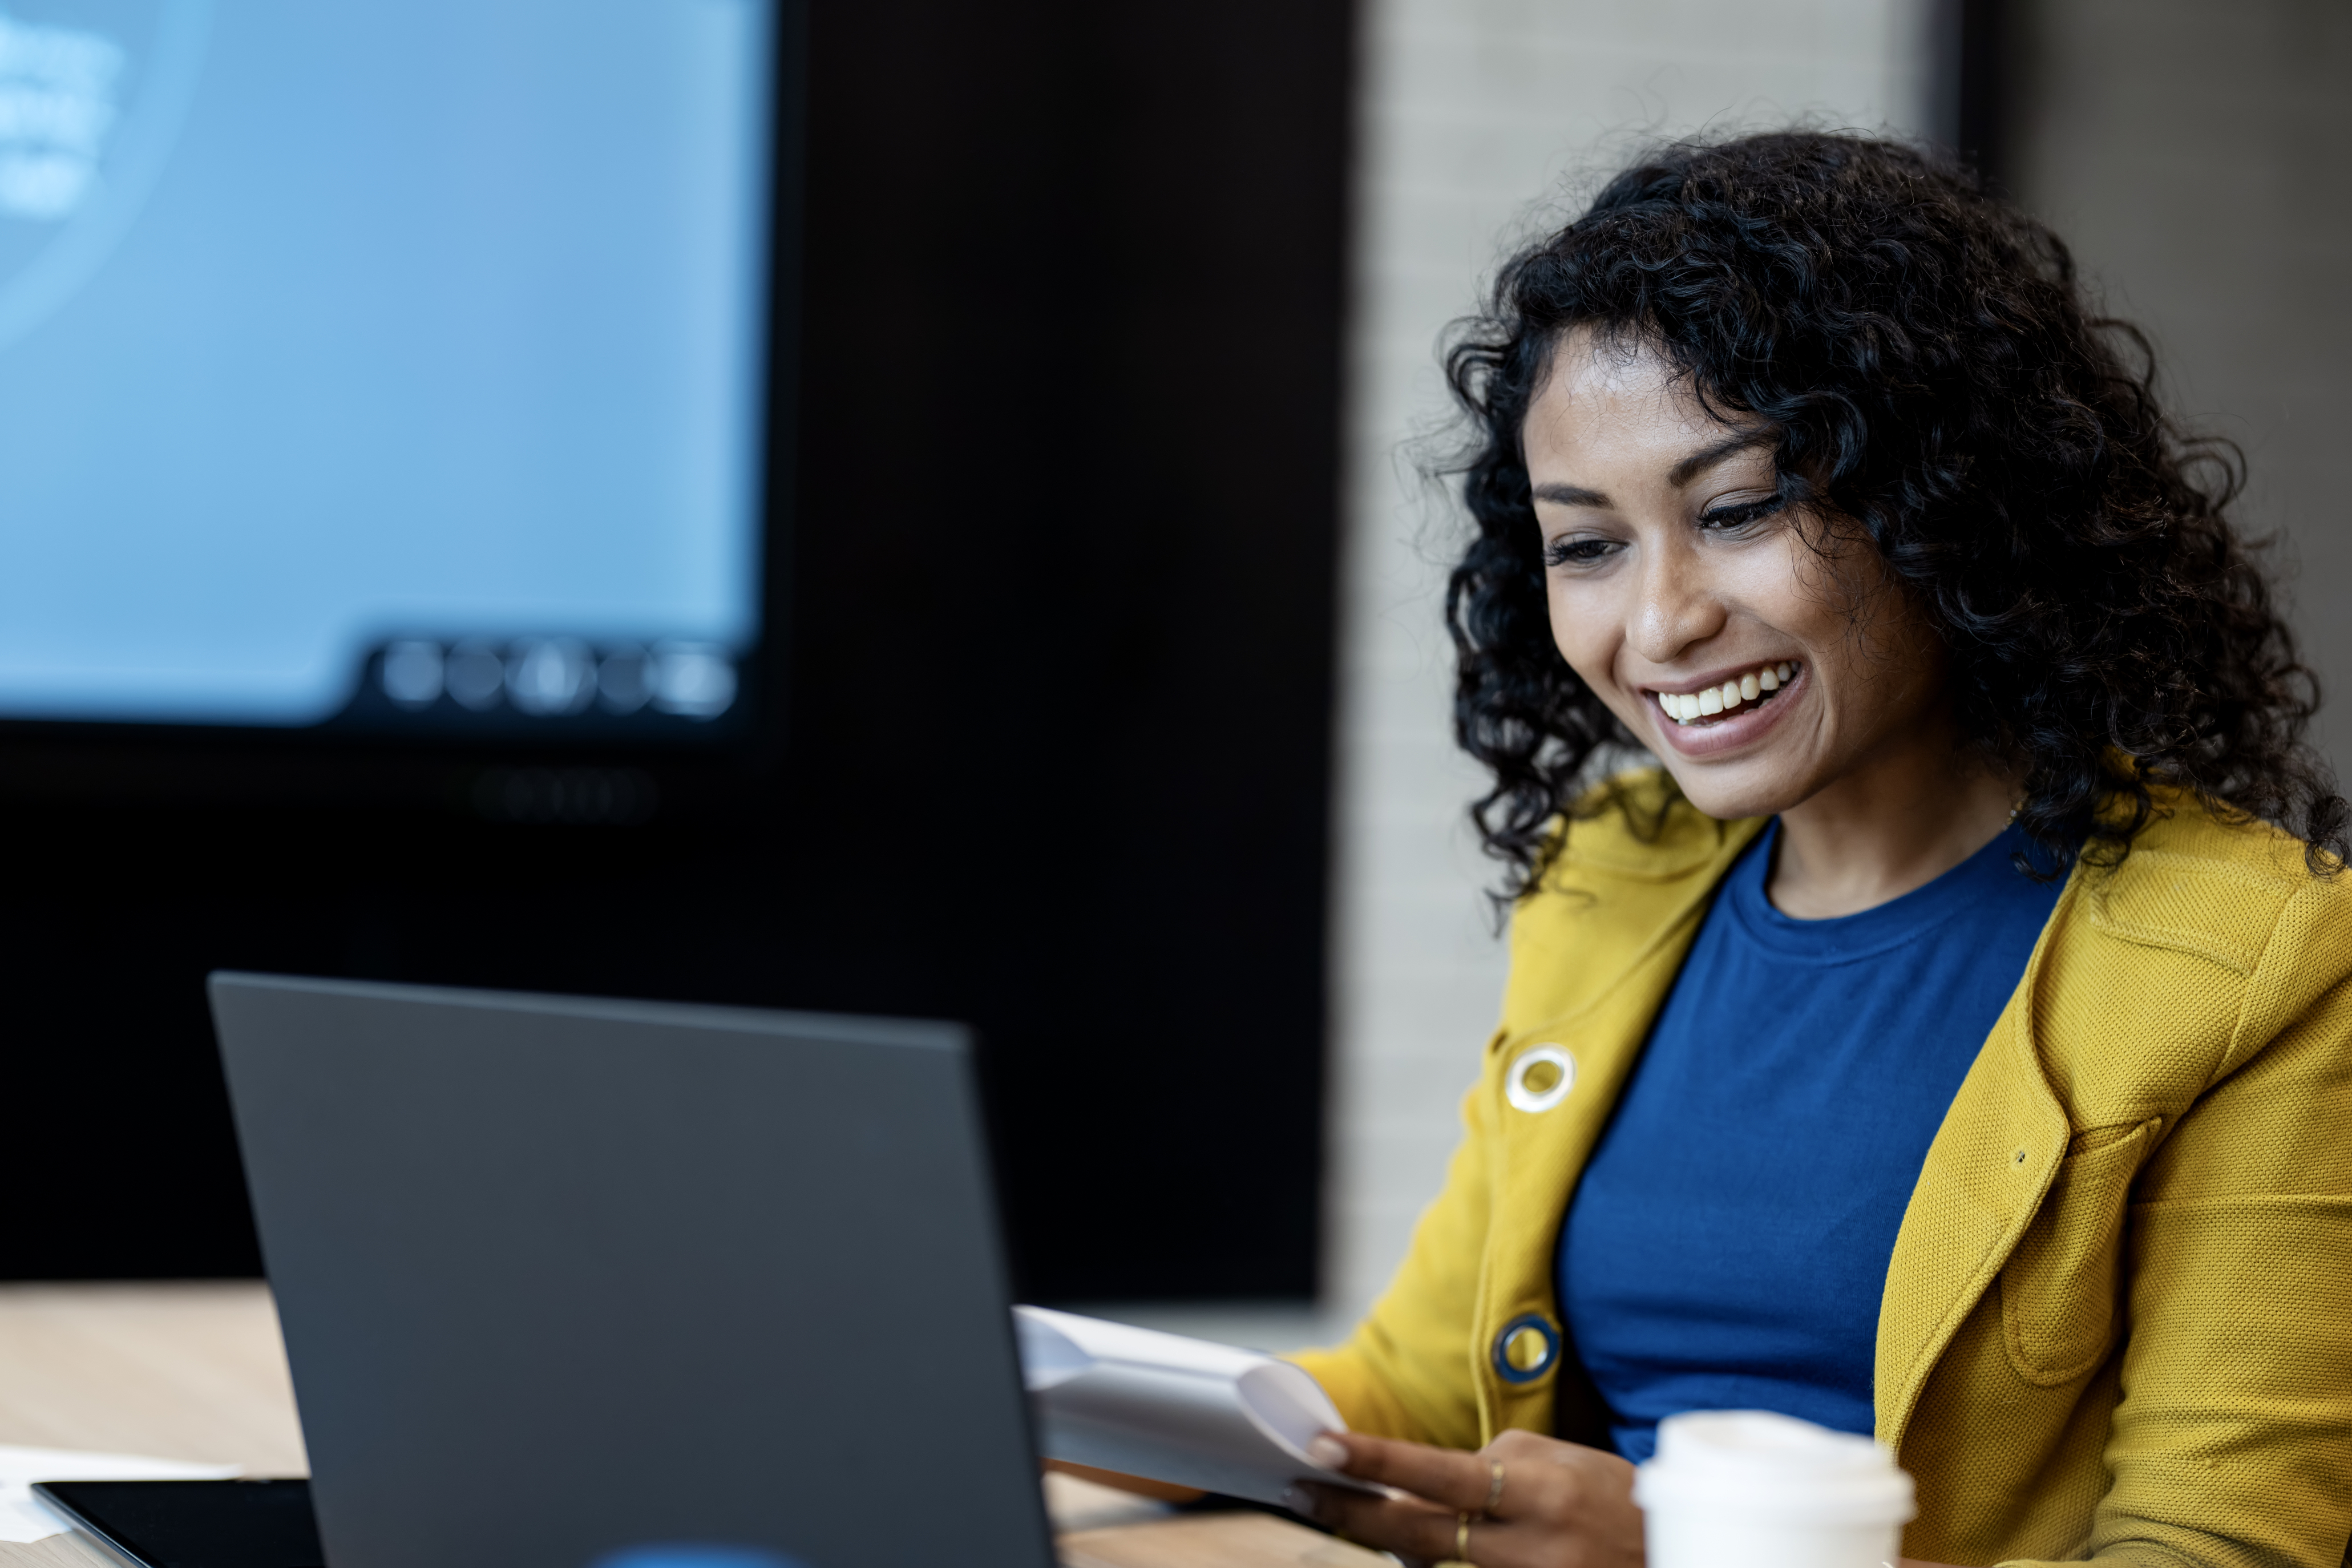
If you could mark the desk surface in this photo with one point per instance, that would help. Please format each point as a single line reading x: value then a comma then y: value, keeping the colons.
x: 197, y: 1372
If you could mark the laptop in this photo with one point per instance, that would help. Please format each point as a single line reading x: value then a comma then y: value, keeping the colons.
x: 560, y: 1279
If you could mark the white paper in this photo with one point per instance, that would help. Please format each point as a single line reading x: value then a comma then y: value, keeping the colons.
x: 1170, y: 1408
x: 22, y: 1517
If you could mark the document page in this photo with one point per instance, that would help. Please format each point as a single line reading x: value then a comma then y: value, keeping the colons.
x: 1170, y: 1408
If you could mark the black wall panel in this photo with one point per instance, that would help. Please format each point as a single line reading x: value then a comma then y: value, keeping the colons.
x: 1058, y: 667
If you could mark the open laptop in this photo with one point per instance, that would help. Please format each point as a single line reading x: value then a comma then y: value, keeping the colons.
x: 561, y: 1278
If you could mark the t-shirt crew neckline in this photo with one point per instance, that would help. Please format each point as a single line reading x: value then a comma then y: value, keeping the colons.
x: 1727, y: 1244
x: 1851, y: 938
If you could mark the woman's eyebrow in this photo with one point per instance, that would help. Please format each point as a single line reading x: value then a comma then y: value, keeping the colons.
x: 1678, y: 475
x: 1569, y: 495
x: 1700, y: 461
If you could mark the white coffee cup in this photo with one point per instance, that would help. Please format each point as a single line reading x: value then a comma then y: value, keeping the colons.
x: 1748, y: 1488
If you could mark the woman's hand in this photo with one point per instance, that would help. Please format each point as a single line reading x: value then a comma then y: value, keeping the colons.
x: 1559, y: 1505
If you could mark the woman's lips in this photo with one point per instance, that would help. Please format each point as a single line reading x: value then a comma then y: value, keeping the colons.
x: 1726, y: 693
x: 1727, y: 727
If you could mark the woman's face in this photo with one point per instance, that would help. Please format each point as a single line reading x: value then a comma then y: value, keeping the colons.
x: 1681, y: 592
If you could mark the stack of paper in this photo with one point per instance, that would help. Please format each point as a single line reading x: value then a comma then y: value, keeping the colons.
x: 1172, y: 1408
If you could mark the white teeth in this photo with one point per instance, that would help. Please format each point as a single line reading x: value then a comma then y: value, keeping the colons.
x: 1682, y: 707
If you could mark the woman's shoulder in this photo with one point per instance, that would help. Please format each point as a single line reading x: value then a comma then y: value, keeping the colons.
x: 2205, y: 878
x: 2169, y: 971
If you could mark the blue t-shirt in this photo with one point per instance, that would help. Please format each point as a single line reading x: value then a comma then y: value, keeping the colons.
x: 1728, y: 1243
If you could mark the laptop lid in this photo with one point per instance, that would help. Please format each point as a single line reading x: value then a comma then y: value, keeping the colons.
x: 561, y: 1276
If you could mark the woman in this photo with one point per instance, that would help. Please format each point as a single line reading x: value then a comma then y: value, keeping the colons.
x: 1953, y: 1040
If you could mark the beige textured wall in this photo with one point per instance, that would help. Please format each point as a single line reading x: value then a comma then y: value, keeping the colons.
x: 2198, y: 158
x: 1476, y: 118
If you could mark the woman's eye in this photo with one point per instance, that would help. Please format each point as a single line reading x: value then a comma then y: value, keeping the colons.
x: 1578, y: 551
x: 1739, y: 514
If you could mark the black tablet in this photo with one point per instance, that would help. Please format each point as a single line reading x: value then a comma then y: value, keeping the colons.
x: 195, y: 1524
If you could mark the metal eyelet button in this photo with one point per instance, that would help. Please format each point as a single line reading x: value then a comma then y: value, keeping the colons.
x: 1526, y: 1348
x: 1540, y: 1080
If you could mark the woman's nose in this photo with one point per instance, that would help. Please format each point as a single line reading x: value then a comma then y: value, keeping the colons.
x: 1677, y: 607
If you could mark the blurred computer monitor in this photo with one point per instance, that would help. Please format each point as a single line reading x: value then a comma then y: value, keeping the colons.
x: 387, y: 364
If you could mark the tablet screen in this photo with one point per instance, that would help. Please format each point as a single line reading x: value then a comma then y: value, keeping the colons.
x: 197, y: 1524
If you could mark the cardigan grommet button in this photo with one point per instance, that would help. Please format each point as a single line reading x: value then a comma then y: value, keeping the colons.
x: 1540, y: 1079
x: 1526, y: 1348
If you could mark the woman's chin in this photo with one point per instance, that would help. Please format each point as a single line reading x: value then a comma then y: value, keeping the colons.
x: 1735, y: 788
x: 1759, y: 762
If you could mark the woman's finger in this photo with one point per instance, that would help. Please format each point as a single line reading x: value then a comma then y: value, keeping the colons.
x: 1406, y: 1526
x: 1543, y: 1477
x: 1415, y: 1530
x: 1447, y: 1476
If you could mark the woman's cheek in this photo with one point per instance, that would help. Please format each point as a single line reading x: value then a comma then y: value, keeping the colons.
x: 1578, y: 635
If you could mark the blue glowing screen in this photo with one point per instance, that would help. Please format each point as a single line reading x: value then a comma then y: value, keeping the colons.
x: 402, y: 356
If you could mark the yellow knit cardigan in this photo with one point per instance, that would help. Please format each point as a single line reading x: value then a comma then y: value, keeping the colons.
x: 2118, y: 1324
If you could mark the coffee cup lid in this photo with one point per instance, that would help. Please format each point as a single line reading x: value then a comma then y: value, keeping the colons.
x: 1760, y: 1462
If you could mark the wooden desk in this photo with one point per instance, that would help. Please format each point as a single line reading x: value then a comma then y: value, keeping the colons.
x: 198, y: 1372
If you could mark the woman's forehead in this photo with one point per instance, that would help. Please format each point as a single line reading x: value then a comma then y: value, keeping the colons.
x: 1609, y: 395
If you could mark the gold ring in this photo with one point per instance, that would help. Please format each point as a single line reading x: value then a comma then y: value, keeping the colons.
x: 1494, y: 1491
x: 1462, y: 1538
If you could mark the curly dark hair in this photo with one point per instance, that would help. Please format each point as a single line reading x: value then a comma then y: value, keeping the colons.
x: 1933, y: 380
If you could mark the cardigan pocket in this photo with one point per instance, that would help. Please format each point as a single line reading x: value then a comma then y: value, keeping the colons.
x: 2060, y: 1290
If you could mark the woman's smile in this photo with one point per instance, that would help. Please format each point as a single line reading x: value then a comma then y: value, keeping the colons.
x: 1723, y: 709
x: 1709, y: 614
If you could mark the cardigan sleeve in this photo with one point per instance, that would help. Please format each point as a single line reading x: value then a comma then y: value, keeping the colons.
x: 2233, y: 1442
x: 1406, y: 1369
